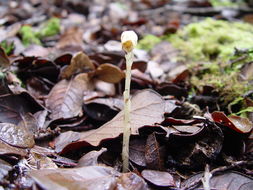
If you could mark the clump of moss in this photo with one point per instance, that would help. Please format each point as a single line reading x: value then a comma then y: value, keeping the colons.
x: 8, y: 47
x: 226, y: 3
x: 148, y: 42
x: 212, y: 39
x: 30, y: 36
x: 50, y: 28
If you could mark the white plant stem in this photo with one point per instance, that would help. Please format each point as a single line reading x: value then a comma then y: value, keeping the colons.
x: 127, y: 108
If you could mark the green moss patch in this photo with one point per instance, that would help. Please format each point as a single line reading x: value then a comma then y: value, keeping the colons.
x: 212, y: 39
x: 30, y: 36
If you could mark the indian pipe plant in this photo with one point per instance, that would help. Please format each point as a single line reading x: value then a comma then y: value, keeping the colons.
x: 129, y: 41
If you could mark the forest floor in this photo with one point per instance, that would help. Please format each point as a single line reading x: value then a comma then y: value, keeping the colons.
x: 62, y: 75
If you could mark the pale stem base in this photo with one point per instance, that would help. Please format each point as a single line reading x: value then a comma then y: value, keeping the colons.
x: 127, y: 108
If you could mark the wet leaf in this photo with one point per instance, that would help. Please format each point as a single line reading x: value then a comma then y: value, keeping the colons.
x: 16, y: 135
x: 137, y: 151
x: 91, y: 158
x: 239, y: 124
x: 10, y: 150
x: 66, y: 98
x: 29, y: 122
x: 158, y: 178
x: 80, y: 62
x: 153, y: 155
x: 64, y: 139
x: 91, y: 177
x: 13, y: 107
x: 147, y: 109
x: 229, y: 180
x: 109, y: 73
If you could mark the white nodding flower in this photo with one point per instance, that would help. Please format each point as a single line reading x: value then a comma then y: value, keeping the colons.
x: 129, y: 40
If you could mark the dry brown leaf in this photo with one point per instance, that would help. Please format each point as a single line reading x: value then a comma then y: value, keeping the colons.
x: 71, y: 38
x: 88, y: 178
x: 147, y: 109
x: 109, y: 73
x: 79, y: 63
x: 66, y: 97
x: 8, y: 149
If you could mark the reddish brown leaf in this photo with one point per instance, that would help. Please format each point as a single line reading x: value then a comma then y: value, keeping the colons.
x: 153, y: 155
x: 66, y: 98
x: 147, y: 109
x: 158, y: 178
x: 239, y: 124
x: 79, y: 63
x: 109, y: 73
x: 4, y: 61
x: 16, y: 136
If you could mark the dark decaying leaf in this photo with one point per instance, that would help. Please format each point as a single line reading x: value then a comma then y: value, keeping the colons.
x: 91, y: 158
x: 66, y: 138
x: 158, y: 178
x: 5, y: 167
x: 16, y: 135
x: 137, y: 152
x: 109, y: 73
x: 80, y: 62
x: 103, y: 109
x: 66, y: 98
x: 63, y: 60
x: 194, y: 150
x: 229, y: 180
x: 4, y: 61
x: 4, y: 89
x: 36, y: 67
x: 89, y: 178
x: 13, y: 107
x: 153, y: 156
x: 147, y: 109
x: 172, y: 89
x: 239, y: 124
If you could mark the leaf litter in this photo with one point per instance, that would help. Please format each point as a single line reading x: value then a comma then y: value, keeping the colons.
x: 61, y: 84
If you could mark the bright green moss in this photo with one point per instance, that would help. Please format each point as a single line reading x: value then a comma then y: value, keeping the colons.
x: 28, y: 35
x: 7, y: 47
x: 148, y: 42
x: 226, y: 3
x: 212, y: 39
x: 50, y: 28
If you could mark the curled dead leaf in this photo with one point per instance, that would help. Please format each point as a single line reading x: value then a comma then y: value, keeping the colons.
x: 239, y: 124
x: 109, y: 73
x: 80, y: 62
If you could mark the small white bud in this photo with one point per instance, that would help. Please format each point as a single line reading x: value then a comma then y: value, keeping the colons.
x: 129, y: 40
